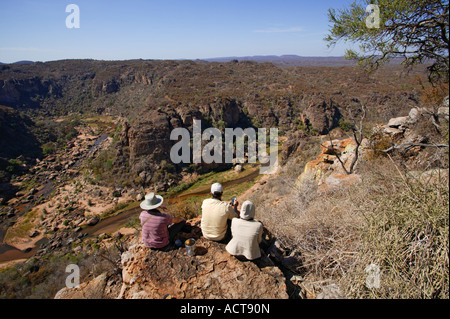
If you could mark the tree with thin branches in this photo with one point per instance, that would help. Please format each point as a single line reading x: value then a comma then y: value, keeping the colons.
x: 415, y: 30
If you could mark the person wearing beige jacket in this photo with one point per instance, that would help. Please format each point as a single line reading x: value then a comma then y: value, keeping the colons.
x: 217, y: 215
x: 247, y: 234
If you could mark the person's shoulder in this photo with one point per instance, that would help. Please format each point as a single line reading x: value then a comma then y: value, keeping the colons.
x: 207, y: 201
x: 143, y: 213
x: 214, y: 201
x: 160, y: 213
x: 260, y: 224
x: 157, y: 213
x: 228, y: 204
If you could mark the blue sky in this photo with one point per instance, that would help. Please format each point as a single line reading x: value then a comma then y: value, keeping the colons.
x: 164, y: 29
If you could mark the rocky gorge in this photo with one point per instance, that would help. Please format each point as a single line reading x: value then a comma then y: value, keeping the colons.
x: 100, y: 139
x: 154, y: 97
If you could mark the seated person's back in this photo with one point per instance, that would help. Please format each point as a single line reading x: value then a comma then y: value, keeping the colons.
x: 154, y: 228
x: 247, y: 234
x: 158, y: 229
x: 215, y: 214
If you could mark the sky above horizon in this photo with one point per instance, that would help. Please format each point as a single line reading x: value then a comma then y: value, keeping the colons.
x: 165, y: 29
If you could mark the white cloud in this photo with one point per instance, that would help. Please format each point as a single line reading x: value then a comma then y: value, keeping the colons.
x: 280, y: 30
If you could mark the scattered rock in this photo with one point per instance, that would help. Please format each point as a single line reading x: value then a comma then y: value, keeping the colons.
x: 443, y: 111
x: 34, y: 234
x: 77, y: 249
x: 445, y: 103
x: 93, y: 289
x: 398, y: 121
x: 414, y: 115
x: 92, y: 221
x: 117, y: 235
x: 394, y: 132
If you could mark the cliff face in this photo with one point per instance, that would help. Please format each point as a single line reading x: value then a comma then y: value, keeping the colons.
x: 16, y: 137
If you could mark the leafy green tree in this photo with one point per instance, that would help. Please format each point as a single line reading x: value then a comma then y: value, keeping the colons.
x: 415, y: 30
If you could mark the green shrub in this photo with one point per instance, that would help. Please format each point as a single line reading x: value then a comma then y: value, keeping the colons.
x: 346, y: 125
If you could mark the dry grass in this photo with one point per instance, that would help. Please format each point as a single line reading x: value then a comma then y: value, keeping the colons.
x: 406, y: 235
x: 397, y: 222
x: 323, y: 228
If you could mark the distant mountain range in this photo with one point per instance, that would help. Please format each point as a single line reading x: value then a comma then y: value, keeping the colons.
x: 19, y: 62
x: 286, y: 60
x: 289, y: 60
x: 283, y: 60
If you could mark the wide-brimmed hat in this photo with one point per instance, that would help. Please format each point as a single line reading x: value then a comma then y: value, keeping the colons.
x: 152, y: 201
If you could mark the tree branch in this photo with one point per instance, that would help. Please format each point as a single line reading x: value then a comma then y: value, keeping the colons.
x: 411, y: 145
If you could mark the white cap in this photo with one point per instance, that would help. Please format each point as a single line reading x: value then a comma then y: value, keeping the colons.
x: 216, y: 188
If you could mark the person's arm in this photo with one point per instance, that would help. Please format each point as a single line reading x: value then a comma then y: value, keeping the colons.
x: 235, y: 207
x: 260, y: 233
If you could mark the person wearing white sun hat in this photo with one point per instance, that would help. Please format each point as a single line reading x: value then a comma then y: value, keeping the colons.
x: 158, y: 229
x: 217, y: 215
x: 247, y: 234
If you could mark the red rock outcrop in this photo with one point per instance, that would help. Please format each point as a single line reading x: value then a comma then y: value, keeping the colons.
x: 326, y: 169
x: 211, y: 274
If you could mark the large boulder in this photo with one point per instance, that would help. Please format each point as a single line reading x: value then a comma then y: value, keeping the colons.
x: 327, y: 161
x: 211, y: 274
x: 398, y: 121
